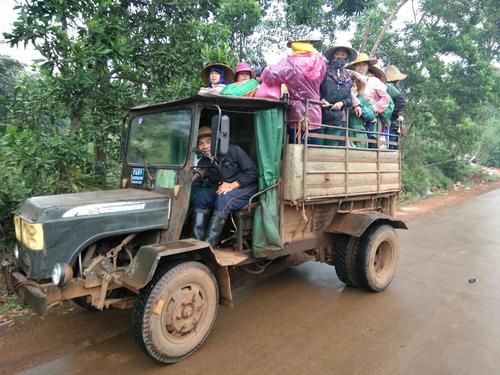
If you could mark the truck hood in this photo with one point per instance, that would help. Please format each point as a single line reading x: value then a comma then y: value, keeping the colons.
x: 65, y: 206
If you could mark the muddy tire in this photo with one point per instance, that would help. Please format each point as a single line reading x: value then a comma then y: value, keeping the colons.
x: 378, y: 255
x: 345, y: 259
x: 175, y: 312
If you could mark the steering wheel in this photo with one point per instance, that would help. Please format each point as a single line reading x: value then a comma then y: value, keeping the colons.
x: 205, y: 161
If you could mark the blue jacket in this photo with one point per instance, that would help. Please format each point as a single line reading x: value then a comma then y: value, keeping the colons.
x: 235, y: 166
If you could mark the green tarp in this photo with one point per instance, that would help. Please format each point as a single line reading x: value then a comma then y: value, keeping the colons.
x: 266, y: 240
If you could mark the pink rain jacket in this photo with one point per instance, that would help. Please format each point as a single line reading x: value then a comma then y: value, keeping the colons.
x: 302, y: 74
x: 376, y: 93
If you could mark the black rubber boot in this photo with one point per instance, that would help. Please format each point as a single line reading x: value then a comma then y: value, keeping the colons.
x: 199, y: 222
x: 215, y: 228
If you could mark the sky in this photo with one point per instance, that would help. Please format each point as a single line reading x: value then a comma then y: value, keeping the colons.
x: 7, y: 17
x: 27, y: 54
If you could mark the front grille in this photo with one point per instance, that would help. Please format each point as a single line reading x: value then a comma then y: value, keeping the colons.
x: 24, y: 260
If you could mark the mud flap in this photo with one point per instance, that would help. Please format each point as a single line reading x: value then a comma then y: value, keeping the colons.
x: 356, y: 223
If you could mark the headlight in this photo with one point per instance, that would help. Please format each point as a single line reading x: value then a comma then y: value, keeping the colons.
x: 17, y: 225
x: 16, y: 251
x: 32, y: 235
x: 61, y: 274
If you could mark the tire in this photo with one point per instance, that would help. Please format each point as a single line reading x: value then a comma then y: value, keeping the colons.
x: 378, y: 255
x: 176, y: 311
x: 346, y: 253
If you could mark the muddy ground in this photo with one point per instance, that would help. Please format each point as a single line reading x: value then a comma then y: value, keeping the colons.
x: 30, y: 340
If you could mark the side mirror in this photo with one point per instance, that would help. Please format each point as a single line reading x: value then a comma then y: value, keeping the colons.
x: 220, y: 135
x: 223, y: 135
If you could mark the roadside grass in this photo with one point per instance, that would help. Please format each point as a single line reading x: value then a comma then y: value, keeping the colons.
x: 11, y: 311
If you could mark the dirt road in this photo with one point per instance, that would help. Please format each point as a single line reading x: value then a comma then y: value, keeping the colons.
x: 439, y: 316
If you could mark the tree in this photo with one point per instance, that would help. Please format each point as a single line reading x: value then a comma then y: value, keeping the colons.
x: 10, y: 72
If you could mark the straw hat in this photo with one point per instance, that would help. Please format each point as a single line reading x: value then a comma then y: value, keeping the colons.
x: 362, y: 57
x: 228, y: 72
x: 347, y: 46
x: 243, y: 67
x: 204, y: 131
x: 392, y: 73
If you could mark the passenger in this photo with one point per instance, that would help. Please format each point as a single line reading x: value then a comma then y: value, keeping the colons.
x: 384, y: 118
x: 221, y: 194
x: 366, y: 115
x: 375, y: 89
x: 302, y: 72
x: 245, y: 84
x: 335, y: 91
x: 215, y: 77
x: 394, y: 76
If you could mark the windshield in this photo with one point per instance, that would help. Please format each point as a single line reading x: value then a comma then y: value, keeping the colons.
x: 159, y: 138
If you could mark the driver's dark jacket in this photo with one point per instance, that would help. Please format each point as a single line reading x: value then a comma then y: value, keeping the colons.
x: 235, y: 166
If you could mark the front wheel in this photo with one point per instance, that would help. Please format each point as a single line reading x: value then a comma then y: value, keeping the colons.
x: 176, y: 311
x: 378, y: 255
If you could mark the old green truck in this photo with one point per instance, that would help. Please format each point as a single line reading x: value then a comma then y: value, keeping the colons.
x: 132, y: 247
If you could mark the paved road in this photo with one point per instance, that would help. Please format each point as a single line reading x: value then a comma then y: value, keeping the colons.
x: 431, y: 320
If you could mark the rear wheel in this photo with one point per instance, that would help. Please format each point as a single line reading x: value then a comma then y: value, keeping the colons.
x: 345, y: 256
x: 378, y: 255
x: 176, y: 311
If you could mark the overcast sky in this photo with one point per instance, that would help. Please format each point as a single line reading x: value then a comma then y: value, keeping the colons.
x: 28, y: 54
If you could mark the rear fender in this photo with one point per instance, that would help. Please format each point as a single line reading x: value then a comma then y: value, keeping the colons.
x: 356, y: 223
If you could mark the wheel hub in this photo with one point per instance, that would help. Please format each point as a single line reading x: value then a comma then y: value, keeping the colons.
x: 184, y: 311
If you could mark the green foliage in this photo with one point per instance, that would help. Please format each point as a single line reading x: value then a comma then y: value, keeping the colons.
x: 10, y: 72
x: 240, y: 17
x: 220, y: 52
x: 489, y: 153
x: 34, y: 163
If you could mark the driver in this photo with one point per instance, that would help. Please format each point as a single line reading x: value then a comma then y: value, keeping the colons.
x: 226, y: 189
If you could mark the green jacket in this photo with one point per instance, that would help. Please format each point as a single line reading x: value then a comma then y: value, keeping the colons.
x: 368, y: 114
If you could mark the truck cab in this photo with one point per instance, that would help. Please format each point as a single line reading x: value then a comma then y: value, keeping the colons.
x: 132, y: 247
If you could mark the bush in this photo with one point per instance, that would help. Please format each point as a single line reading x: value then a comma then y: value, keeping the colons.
x: 489, y: 153
x: 34, y: 164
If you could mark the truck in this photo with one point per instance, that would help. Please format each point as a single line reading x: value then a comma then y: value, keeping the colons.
x: 132, y: 247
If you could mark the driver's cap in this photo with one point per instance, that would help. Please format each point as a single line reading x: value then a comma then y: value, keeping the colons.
x: 204, y: 131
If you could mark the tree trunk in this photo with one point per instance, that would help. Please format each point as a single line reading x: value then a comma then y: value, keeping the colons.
x: 100, y: 162
x: 366, y: 34
x: 386, y: 26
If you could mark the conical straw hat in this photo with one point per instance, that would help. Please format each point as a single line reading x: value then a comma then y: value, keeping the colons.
x: 392, y: 73
x: 362, y: 57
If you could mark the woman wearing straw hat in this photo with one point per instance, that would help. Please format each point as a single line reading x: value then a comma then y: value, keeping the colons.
x: 394, y: 76
x: 367, y: 115
x: 335, y: 90
x: 215, y: 77
x: 245, y: 84
x: 375, y: 90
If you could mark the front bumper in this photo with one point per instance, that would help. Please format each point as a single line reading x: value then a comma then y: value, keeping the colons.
x: 28, y: 292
